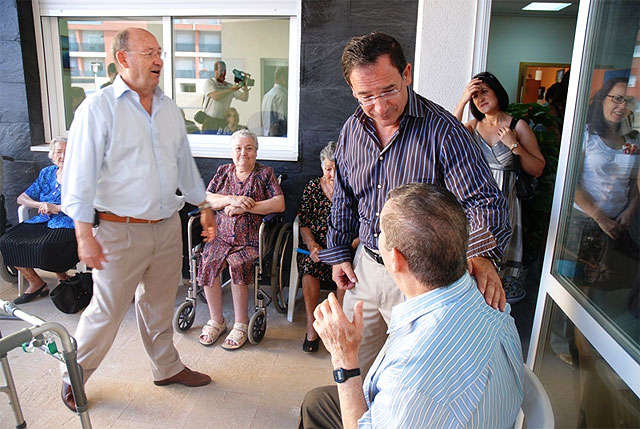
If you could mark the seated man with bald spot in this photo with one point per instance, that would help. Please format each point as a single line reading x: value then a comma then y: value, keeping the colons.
x: 450, y: 360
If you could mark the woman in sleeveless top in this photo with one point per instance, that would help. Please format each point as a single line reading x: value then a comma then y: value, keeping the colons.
x: 500, y: 138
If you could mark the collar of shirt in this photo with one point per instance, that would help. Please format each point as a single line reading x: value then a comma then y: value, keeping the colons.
x: 406, y: 312
x: 120, y: 87
x: 413, y: 108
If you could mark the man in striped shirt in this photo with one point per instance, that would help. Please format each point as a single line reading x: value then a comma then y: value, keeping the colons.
x: 394, y: 137
x: 450, y: 360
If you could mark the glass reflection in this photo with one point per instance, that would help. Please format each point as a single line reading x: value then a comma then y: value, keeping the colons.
x: 599, y: 244
x: 584, y: 390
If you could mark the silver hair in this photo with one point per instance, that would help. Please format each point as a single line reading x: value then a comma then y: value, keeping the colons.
x: 328, y: 153
x: 244, y: 134
x: 120, y: 42
x: 52, y: 146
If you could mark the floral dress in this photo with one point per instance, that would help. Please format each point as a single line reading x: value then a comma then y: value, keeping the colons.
x: 314, y: 212
x: 236, y: 242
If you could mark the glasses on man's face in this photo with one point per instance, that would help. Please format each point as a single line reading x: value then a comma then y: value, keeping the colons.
x: 368, y: 101
x: 151, y: 54
x: 619, y: 99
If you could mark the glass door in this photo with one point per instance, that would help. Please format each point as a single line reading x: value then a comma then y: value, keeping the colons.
x: 585, y: 345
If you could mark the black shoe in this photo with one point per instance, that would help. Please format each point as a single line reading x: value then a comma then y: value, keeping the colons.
x: 310, y: 346
x: 28, y: 297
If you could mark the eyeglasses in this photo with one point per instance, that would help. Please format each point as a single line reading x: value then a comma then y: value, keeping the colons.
x: 619, y: 99
x: 151, y: 53
x: 368, y: 101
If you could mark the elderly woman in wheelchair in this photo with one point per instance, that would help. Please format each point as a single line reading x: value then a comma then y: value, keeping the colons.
x: 46, y: 241
x: 241, y: 193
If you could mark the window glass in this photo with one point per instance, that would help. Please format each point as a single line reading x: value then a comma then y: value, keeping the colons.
x: 585, y: 392
x: 232, y: 74
x: 597, y: 251
x: 85, y: 46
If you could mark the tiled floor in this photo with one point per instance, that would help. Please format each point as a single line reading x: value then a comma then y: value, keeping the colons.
x: 255, y: 387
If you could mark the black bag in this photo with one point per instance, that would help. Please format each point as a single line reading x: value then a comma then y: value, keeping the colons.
x: 526, y: 184
x: 73, y: 294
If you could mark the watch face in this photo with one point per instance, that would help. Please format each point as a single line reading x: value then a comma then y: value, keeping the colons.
x: 338, y: 375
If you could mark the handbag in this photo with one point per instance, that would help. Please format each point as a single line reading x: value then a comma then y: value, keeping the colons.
x: 526, y: 184
x: 73, y: 294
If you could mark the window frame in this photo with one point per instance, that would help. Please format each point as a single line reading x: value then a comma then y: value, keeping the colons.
x: 47, y: 12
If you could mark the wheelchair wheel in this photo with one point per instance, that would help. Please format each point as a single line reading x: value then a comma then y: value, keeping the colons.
x: 257, y: 326
x: 184, y: 316
x: 279, y: 273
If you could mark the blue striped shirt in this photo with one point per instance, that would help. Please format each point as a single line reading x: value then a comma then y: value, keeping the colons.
x: 430, y: 146
x: 450, y: 361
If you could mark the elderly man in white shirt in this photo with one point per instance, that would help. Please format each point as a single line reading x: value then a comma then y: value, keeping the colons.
x: 127, y: 155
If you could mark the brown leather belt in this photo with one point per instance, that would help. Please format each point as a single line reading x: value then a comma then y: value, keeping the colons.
x: 110, y: 217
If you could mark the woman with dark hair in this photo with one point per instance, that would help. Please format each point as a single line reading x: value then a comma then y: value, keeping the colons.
x: 501, y: 138
x: 606, y: 196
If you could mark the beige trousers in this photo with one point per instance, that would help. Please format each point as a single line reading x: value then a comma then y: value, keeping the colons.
x: 144, y: 261
x: 379, y: 294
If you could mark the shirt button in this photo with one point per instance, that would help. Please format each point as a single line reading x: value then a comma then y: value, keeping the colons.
x: 379, y: 186
x: 381, y: 158
x: 377, y: 214
x: 375, y: 235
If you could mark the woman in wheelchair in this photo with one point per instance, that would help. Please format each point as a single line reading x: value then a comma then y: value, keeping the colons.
x: 46, y: 241
x: 241, y: 193
x: 314, y: 211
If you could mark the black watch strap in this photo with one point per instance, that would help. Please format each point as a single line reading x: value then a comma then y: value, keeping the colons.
x: 341, y: 375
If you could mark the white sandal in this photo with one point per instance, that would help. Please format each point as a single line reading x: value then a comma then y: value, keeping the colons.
x: 211, y: 331
x: 237, y: 337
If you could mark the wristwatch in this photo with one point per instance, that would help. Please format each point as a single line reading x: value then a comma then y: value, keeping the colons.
x: 341, y: 375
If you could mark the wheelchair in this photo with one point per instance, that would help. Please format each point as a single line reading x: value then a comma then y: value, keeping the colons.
x: 270, y: 279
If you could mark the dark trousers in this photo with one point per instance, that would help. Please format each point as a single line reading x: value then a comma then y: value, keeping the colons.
x: 321, y: 409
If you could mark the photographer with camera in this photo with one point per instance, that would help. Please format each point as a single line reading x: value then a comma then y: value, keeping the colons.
x: 218, y: 95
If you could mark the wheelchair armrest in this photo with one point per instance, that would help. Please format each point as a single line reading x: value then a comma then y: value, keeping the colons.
x: 272, y: 217
x: 25, y: 213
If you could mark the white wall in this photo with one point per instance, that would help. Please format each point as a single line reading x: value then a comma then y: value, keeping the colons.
x: 514, y: 39
x: 444, y: 49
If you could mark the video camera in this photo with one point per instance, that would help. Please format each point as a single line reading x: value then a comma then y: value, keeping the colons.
x: 242, y: 78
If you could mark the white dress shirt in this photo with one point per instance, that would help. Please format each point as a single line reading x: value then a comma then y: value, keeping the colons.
x: 122, y: 160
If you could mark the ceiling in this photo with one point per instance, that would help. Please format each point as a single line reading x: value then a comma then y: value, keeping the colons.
x: 514, y: 7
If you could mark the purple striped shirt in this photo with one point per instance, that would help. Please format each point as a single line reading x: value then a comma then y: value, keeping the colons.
x: 430, y: 146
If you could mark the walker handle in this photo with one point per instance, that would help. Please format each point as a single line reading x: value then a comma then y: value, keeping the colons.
x: 15, y: 340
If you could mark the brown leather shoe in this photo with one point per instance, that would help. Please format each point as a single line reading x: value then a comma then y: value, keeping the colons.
x: 185, y: 377
x: 67, y: 397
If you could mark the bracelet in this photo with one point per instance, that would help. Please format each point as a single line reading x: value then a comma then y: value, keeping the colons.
x: 515, y: 145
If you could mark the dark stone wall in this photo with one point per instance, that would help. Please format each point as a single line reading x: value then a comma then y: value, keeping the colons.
x: 325, y: 98
x: 17, y: 103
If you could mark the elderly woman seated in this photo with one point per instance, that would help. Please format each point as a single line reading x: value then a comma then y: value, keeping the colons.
x: 240, y: 193
x: 314, y: 211
x: 48, y: 240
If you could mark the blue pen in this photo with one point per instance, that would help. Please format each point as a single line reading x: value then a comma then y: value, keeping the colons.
x: 304, y: 252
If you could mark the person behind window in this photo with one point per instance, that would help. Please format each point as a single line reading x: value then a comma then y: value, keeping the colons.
x: 233, y: 122
x: 241, y: 193
x: 314, y: 210
x: 77, y: 97
x: 112, y: 72
x: 500, y: 141
x: 606, y: 196
x: 274, y: 105
x: 46, y: 241
x: 450, y: 359
x: 218, y: 95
